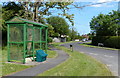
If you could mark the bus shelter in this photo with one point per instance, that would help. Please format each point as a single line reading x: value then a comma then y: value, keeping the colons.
x: 24, y: 37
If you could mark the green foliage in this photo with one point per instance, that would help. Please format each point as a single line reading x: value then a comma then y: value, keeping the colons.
x: 51, y: 54
x: 91, y: 35
x: 9, y: 10
x: 113, y: 41
x: 69, y: 17
x: 32, y: 10
x: 106, y: 25
x: 80, y: 37
x: 73, y: 34
x: 68, y: 39
x: 40, y: 9
x: 93, y: 46
x: 0, y: 17
x: 77, y: 64
x: 59, y: 24
x: 35, y: 11
x: 50, y: 30
x: 108, y: 41
x: 99, y: 39
x: 56, y: 34
x: 49, y: 40
x: 8, y: 68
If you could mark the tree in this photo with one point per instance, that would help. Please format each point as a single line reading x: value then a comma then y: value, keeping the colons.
x: 106, y: 25
x: 9, y: 10
x: 91, y: 35
x: 73, y: 34
x: 32, y: 10
x: 50, y: 30
x: 36, y: 10
x: 39, y: 8
x: 0, y: 17
x: 59, y: 24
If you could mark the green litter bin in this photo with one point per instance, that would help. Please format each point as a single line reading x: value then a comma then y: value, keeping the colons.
x: 40, y: 56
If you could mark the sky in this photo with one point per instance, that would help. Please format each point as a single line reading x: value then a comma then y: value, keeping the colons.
x: 83, y: 16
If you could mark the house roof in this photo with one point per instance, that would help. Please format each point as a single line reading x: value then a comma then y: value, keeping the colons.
x: 21, y: 20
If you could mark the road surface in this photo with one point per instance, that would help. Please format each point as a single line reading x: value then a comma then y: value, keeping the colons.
x: 108, y: 57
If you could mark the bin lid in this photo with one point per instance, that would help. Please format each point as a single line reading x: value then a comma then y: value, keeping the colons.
x: 41, y: 52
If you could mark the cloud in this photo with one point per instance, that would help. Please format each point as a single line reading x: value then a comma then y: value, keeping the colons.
x: 99, y: 5
x: 94, y: 0
x: 105, y: 3
x: 98, y: 1
x: 105, y: 0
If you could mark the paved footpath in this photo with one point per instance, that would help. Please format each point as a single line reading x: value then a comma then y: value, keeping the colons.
x: 108, y: 57
x: 50, y: 63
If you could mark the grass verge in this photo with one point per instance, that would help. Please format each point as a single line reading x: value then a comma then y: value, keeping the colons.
x: 89, y: 45
x: 77, y: 64
x: 51, y: 54
x: 8, y: 68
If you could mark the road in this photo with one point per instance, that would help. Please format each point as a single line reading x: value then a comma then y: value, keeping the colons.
x: 108, y: 57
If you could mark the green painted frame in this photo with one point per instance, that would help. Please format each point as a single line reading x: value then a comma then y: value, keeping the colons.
x: 25, y: 25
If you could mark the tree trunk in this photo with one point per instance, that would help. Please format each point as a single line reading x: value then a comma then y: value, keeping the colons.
x: 34, y: 18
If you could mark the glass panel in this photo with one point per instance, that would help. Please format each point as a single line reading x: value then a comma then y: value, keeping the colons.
x: 29, y: 34
x: 16, y: 52
x: 29, y: 48
x: 16, y: 33
x: 37, y: 46
x: 43, y: 46
x: 29, y: 40
x: 37, y: 35
x: 43, y: 34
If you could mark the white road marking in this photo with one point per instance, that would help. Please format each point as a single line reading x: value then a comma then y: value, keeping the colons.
x: 82, y: 52
x: 107, y: 56
x: 109, y: 65
x: 93, y: 53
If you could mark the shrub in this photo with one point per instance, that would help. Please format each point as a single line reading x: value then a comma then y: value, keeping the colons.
x: 108, y: 41
x: 99, y: 39
x: 68, y: 39
x: 113, y: 42
x: 49, y: 40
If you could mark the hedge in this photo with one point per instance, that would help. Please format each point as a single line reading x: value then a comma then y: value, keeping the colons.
x: 113, y: 41
x: 108, y: 41
x: 99, y: 39
x: 68, y: 39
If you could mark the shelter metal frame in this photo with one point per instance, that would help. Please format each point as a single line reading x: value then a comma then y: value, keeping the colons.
x: 24, y: 37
